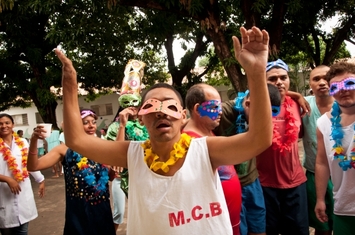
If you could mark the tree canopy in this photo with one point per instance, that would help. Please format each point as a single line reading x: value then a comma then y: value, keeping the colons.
x: 101, y: 36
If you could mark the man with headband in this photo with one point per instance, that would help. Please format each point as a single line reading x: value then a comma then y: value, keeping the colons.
x: 173, y: 185
x: 205, y: 108
x: 336, y: 152
x: 235, y: 121
x: 280, y: 171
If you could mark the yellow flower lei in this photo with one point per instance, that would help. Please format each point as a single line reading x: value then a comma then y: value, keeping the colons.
x: 11, y: 160
x: 179, y: 150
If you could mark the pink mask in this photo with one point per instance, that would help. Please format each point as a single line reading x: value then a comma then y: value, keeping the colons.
x: 168, y: 107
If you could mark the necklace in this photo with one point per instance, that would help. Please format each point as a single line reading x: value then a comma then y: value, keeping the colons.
x: 291, y: 133
x: 179, y: 150
x: 85, y: 170
x: 18, y: 174
x: 345, y: 162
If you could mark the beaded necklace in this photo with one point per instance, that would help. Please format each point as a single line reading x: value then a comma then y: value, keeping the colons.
x: 337, y: 134
x: 179, y: 150
x: 291, y: 133
x: 19, y: 175
x: 85, y: 170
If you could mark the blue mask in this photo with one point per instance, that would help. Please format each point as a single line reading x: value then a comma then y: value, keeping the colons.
x: 210, y: 108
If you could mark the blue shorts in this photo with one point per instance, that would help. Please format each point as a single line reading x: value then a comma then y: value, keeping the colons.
x: 286, y: 210
x: 253, y: 213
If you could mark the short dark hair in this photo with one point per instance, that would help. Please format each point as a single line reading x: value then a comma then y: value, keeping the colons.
x: 275, y: 96
x: 162, y: 85
x: 195, y: 95
x: 19, y: 131
x: 339, y: 69
x: 8, y: 116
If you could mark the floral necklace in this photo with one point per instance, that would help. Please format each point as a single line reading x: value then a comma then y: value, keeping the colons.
x: 291, y: 132
x: 178, y: 152
x: 19, y: 175
x: 86, y: 171
x: 345, y: 162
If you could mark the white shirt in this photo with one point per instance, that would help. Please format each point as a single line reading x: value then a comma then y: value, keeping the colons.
x: 16, y: 209
x: 343, y: 181
x: 189, y: 202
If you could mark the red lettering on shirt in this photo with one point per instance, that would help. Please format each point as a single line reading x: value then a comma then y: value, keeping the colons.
x: 176, y: 220
x: 194, y: 212
x: 215, y: 208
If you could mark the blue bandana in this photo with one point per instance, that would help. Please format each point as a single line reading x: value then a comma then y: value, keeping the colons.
x: 278, y: 64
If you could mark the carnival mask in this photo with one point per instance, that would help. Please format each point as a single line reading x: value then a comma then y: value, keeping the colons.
x: 129, y: 100
x: 168, y: 107
x: 275, y: 110
x: 346, y: 84
x: 210, y: 108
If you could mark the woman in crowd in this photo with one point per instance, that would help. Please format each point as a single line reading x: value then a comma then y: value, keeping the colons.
x: 88, y: 210
x: 17, y: 203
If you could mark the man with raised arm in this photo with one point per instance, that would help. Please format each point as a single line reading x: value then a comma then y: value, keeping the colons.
x: 173, y: 184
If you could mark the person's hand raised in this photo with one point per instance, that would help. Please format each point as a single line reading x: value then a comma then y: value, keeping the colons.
x: 68, y: 70
x: 252, y: 53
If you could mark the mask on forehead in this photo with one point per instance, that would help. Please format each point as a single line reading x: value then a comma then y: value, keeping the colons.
x: 346, y: 84
x: 210, y: 108
x: 129, y: 100
x: 169, y: 107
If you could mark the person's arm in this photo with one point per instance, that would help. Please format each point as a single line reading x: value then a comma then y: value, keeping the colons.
x: 39, y: 178
x: 75, y: 137
x: 252, y: 54
x: 12, y: 183
x: 302, y: 102
x: 124, y: 117
x: 48, y: 160
x: 322, y: 175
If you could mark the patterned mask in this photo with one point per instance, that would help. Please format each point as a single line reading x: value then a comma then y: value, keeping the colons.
x: 168, y: 107
x: 129, y: 100
x: 210, y: 108
x: 346, y: 84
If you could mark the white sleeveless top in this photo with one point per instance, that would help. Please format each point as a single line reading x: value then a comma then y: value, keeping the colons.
x: 343, y: 181
x: 190, y: 202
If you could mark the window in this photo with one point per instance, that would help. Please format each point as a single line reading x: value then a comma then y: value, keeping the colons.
x: 102, y: 109
x: 39, y: 118
x: 20, y: 119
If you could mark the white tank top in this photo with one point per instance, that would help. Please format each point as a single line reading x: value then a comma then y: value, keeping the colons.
x: 343, y: 181
x: 190, y: 202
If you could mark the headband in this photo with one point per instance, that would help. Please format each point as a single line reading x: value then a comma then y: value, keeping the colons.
x: 86, y: 113
x: 276, y: 64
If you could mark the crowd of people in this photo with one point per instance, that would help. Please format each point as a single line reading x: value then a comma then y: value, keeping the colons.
x: 230, y: 167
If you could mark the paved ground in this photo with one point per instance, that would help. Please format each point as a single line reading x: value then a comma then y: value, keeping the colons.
x: 51, y: 208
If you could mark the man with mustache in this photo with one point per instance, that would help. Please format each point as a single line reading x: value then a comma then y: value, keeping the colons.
x: 173, y: 185
x: 280, y: 171
x: 204, y: 105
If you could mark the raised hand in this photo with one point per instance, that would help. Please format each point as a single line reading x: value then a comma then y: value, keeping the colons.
x: 252, y: 53
x: 68, y: 70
